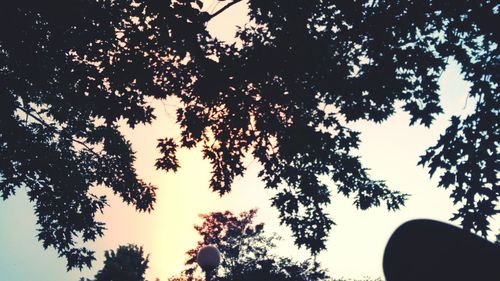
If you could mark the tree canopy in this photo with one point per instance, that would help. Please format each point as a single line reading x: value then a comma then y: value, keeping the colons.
x: 246, y: 251
x: 128, y: 263
x: 71, y: 70
x: 240, y: 241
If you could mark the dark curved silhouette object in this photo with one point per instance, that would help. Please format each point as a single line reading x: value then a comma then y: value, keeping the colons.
x: 428, y: 250
x: 261, y: 275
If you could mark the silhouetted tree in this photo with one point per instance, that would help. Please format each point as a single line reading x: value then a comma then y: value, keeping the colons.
x: 66, y: 80
x: 70, y: 70
x: 362, y: 279
x: 128, y: 263
x: 245, y: 250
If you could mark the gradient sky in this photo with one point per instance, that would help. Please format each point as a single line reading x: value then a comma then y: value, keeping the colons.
x: 355, y: 246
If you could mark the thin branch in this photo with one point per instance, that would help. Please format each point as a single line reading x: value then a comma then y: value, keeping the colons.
x: 43, y: 122
x: 40, y: 120
x: 466, y: 100
x: 221, y: 10
x: 214, y: 5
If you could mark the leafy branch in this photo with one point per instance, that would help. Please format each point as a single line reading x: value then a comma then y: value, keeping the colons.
x: 44, y: 123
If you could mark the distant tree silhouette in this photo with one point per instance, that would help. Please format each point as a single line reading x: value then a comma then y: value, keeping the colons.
x: 260, y: 274
x: 362, y: 279
x: 71, y: 70
x: 245, y: 250
x: 128, y: 263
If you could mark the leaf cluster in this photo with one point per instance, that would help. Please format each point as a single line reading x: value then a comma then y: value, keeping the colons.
x: 127, y: 263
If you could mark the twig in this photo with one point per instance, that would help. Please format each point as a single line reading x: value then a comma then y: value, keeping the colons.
x: 227, y: 6
x: 214, y: 6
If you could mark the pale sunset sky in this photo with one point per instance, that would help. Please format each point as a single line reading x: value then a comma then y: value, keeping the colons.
x: 355, y: 246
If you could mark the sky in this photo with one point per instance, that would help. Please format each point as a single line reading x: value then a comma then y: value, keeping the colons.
x: 354, y: 248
